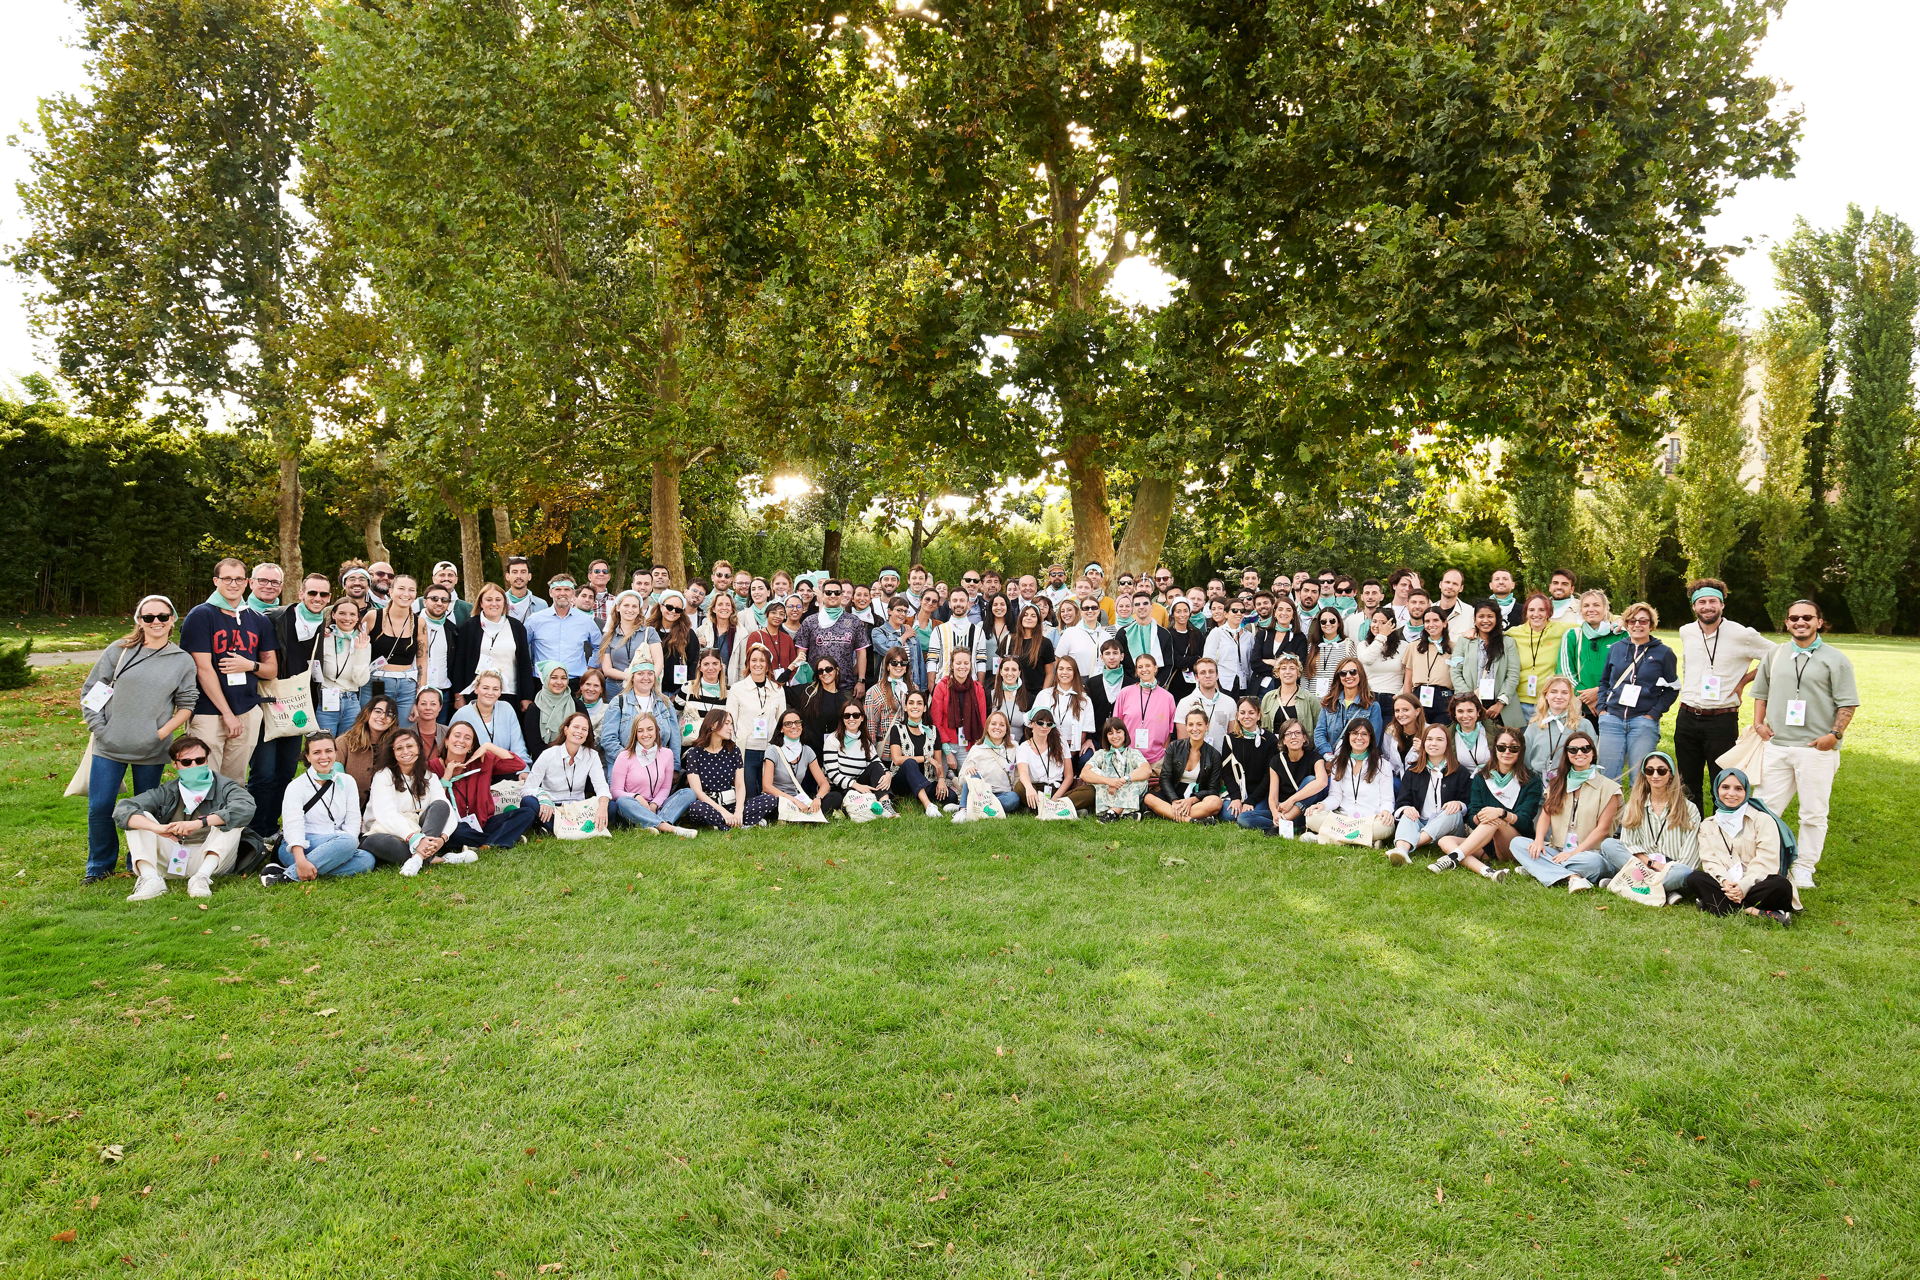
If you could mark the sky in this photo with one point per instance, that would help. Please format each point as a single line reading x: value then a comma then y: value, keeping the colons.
x: 1847, y: 63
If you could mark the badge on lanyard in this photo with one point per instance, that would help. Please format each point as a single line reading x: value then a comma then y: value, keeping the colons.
x: 1533, y: 687
x: 98, y: 697
x: 1628, y: 695
x: 1796, y: 712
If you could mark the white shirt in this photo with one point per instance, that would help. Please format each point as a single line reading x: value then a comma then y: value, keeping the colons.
x: 1045, y: 773
x: 1219, y: 710
x: 439, y: 634
x: 1459, y: 619
x: 557, y: 780
x: 1725, y: 654
x: 1228, y: 649
x: 1355, y: 797
x: 337, y: 812
x: 496, y: 655
x: 1082, y: 644
x: 1071, y: 727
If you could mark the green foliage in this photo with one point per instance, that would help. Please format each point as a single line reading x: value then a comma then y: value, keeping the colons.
x: 16, y: 672
x: 1540, y: 494
x: 1709, y: 402
x: 1874, y: 446
x: 1794, y: 356
x: 1623, y: 519
x: 1476, y: 559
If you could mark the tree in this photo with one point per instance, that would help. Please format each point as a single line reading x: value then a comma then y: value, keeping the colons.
x: 1709, y: 407
x: 1873, y: 440
x: 1628, y: 513
x: 1794, y: 358
x: 1811, y: 267
x: 1541, y: 493
x: 163, y: 226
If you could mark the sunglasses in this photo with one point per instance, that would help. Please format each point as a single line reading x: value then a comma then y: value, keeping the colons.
x: 156, y: 617
x: 318, y: 595
x: 897, y: 663
x: 971, y: 582
x: 1578, y: 750
x: 853, y: 715
x: 1349, y: 675
x: 1507, y: 749
x: 1657, y: 771
x: 438, y: 600
x: 188, y: 762
x: 671, y: 608
x: 1792, y: 617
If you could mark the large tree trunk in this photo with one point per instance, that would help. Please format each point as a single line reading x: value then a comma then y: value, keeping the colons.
x: 830, y: 550
x: 1087, y: 489
x: 669, y: 534
x: 920, y: 538
x: 502, y: 535
x: 473, y: 565
x: 1146, y: 535
x: 289, y: 504
x: 376, y: 538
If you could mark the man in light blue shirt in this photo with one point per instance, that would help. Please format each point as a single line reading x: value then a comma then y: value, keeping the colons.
x: 562, y: 633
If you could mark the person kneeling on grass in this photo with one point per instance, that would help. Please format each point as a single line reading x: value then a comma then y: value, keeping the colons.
x: 409, y: 814
x: 189, y: 827
x: 1118, y: 774
x: 1744, y: 853
x: 643, y: 794
x: 319, y: 820
x: 1359, y: 804
x: 470, y: 767
x: 989, y: 765
x: 1505, y: 799
x: 570, y: 771
x: 1576, y: 814
x: 1190, y: 775
x: 1432, y: 798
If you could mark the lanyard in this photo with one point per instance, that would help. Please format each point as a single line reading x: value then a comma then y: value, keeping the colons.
x: 567, y: 768
x: 1534, y: 640
x: 653, y: 774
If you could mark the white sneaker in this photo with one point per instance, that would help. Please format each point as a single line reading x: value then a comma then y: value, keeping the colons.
x: 1397, y: 858
x: 201, y: 885
x: 685, y: 833
x: 1578, y: 884
x: 460, y: 857
x: 1800, y: 878
x: 411, y: 867
x: 960, y: 817
x: 933, y: 810
x: 1307, y: 837
x: 152, y: 885
x: 950, y: 807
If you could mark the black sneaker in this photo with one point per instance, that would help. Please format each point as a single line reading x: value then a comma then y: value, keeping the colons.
x: 1205, y: 822
x: 1782, y: 918
x: 276, y: 874
x: 1106, y: 816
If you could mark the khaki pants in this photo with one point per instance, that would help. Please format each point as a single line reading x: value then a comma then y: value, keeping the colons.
x: 222, y: 843
x: 1322, y: 821
x: 1807, y: 773
x: 231, y: 757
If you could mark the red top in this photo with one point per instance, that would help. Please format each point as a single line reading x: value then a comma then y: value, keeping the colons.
x: 955, y: 708
x: 473, y: 786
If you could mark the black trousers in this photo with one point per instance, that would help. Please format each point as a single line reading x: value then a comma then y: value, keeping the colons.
x: 1697, y: 742
x: 1774, y: 893
x: 392, y: 850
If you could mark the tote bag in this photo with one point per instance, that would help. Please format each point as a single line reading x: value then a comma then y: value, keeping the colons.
x: 982, y: 803
x: 863, y: 806
x: 1639, y: 882
x: 1056, y: 810
x: 287, y: 709
x: 575, y: 820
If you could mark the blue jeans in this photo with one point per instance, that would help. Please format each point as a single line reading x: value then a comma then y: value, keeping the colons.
x: 1625, y: 743
x: 1258, y: 818
x: 1606, y: 861
x: 103, y: 792
x: 402, y: 689
x: 1407, y: 831
x: 274, y: 762
x: 338, y: 722
x: 336, y: 854
x: 1543, y: 868
x: 1009, y: 800
x: 636, y: 813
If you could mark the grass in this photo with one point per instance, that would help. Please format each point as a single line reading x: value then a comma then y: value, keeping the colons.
x: 910, y: 1049
x: 56, y: 634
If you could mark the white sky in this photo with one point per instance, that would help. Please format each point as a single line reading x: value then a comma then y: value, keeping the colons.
x: 1849, y: 63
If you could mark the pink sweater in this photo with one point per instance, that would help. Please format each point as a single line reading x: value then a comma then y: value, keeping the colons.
x: 648, y: 779
x: 1136, y: 708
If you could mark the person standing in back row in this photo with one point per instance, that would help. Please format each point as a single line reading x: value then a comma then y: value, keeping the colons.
x: 233, y: 649
x: 1717, y: 663
x: 1804, y: 697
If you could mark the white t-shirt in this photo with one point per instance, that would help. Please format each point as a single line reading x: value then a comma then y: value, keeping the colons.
x: 1072, y: 728
x: 1717, y: 661
x: 1042, y: 769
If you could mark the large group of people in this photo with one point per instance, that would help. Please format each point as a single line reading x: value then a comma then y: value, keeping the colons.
x: 1510, y: 732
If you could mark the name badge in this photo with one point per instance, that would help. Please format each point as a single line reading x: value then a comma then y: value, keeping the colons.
x: 98, y: 697
x: 1710, y: 685
x: 760, y: 727
x: 680, y: 673
x: 1142, y: 736
x: 176, y: 856
x: 236, y: 678
x: 329, y: 698
x: 1426, y: 695
x: 1628, y: 695
x: 1486, y: 688
x: 1533, y: 687
x: 1796, y: 712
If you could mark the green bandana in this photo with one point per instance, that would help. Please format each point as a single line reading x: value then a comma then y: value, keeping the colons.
x: 1343, y: 605
x: 831, y: 613
x: 1817, y: 643
x: 1115, y: 677
x: 219, y: 602
x: 1577, y: 777
x: 308, y: 616
x: 258, y: 605
x: 1505, y: 602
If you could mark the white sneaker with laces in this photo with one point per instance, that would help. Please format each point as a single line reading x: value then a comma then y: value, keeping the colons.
x: 1397, y: 858
x: 933, y: 810
x: 200, y: 885
x: 460, y: 857
x: 411, y: 867
x: 151, y: 885
x: 960, y: 817
x: 1577, y: 884
x: 1800, y: 878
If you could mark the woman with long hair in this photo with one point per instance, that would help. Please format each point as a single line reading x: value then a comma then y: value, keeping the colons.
x: 911, y: 748
x: 1043, y: 769
x: 1033, y: 651
x: 720, y: 632
x: 1431, y: 801
x: 1659, y: 826
x: 821, y: 703
x: 408, y: 814
x: 996, y: 616
x: 492, y: 640
x: 886, y: 699
x: 1190, y: 776
x: 1185, y: 645
x: 959, y: 710
x: 1290, y: 699
x: 1487, y: 669
x: 1118, y: 773
x: 756, y: 703
x: 341, y: 664
x: 1248, y: 761
x: 1358, y: 808
x: 1429, y: 675
x: 853, y: 762
x: 1330, y: 647
x: 470, y: 767
x: 628, y: 641
x: 1536, y: 649
x: 1351, y: 699
x: 791, y: 771
x: 1501, y: 809
x: 989, y: 763
x: 679, y: 647
x: 1557, y: 714
x: 1299, y: 779
x: 1071, y: 706
x: 1400, y: 744
x: 1577, y: 812
x: 570, y: 771
x: 363, y: 747
x: 716, y: 775
x: 642, y: 782
x: 1009, y: 695
x: 1472, y: 739
x: 1383, y: 653
x: 397, y: 641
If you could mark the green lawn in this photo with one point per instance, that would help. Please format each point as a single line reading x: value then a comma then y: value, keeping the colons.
x: 913, y: 1049
x: 53, y: 634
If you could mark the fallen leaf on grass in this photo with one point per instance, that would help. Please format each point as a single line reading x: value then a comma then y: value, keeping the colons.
x: 312, y: 968
x: 325, y: 1013
x: 145, y: 1191
x: 1347, y: 1058
x: 545, y: 1267
x: 779, y: 1273
x: 999, y: 1051
x: 64, y: 1237
x: 1847, y: 1218
x: 941, y: 1194
x: 1439, y: 1195
x: 112, y: 1154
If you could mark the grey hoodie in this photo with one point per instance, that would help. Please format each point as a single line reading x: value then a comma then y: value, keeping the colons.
x: 152, y: 685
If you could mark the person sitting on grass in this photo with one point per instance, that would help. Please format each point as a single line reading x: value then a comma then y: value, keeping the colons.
x: 642, y: 780
x: 1505, y: 799
x: 409, y: 814
x: 570, y: 771
x: 1044, y: 769
x: 1190, y: 776
x: 1118, y: 774
x: 1659, y: 825
x: 188, y: 827
x: 1577, y: 812
x: 319, y: 820
x: 717, y: 779
x: 791, y: 772
x: 1744, y: 854
x: 1432, y: 798
x: 913, y: 752
x: 1299, y: 779
x: 470, y: 768
x: 852, y: 761
x: 989, y: 764
x: 1358, y: 808
x: 1248, y: 761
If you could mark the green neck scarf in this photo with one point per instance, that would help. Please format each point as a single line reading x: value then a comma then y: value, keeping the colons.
x: 308, y: 616
x: 1505, y: 602
x: 219, y: 602
x: 1817, y: 643
x: 1576, y: 778
x: 1114, y: 678
x: 258, y: 605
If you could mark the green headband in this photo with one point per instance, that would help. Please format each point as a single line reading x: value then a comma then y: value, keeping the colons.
x: 1715, y: 592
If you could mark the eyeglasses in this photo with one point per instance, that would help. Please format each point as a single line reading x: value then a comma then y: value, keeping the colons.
x: 1657, y: 771
x: 379, y: 713
x: 1506, y: 749
x: 228, y: 578
x: 383, y: 575
x: 156, y: 617
x: 188, y: 762
x: 271, y: 582
x: 1579, y: 749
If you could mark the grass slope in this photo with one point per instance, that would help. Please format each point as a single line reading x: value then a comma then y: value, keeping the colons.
x: 912, y: 1049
